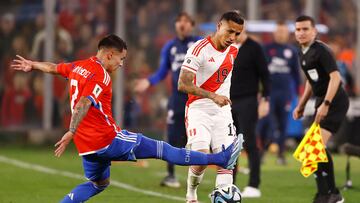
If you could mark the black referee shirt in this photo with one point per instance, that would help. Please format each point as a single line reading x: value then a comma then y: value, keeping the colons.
x: 250, y: 67
x: 317, y: 63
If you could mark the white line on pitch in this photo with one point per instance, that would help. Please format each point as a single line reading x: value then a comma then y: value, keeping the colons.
x: 115, y: 183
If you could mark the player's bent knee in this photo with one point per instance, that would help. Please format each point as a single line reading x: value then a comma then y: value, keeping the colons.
x: 198, y: 170
x: 101, y: 184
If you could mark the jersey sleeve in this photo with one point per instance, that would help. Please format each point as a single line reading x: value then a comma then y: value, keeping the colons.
x: 193, y: 58
x: 327, y: 60
x: 164, y: 67
x: 95, y: 87
x: 64, y: 69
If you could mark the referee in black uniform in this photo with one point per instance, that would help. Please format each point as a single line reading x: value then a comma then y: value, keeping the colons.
x: 250, y: 69
x: 323, y: 82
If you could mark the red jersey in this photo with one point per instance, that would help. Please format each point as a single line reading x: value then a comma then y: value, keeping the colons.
x: 89, y: 78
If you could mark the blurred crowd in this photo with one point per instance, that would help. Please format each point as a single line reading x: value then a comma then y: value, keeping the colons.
x: 149, y: 25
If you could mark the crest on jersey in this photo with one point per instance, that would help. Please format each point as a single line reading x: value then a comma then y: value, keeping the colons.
x: 313, y: 74
x: 287, y: 53
x: 173, y: 50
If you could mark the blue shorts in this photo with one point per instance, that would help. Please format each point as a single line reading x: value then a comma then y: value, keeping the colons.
x: 97, y: 165
x: 176, y: 131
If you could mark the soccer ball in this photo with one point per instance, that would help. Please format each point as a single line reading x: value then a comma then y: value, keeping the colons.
x: 226, y: 194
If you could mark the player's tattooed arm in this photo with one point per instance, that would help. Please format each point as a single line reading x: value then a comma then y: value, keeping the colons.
x: 186, y: 85
x: 80, y: 110
x: 79, y: 113
x: 26, y: 65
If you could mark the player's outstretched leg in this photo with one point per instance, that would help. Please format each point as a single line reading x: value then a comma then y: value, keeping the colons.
x: 83, y: 192
x: 149, y: 148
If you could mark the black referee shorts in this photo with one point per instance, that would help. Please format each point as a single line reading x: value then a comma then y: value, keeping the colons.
x: 337, y: 111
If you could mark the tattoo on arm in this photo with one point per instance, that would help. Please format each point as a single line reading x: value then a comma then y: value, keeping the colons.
x: 186, y: 85
x: 80, y: 110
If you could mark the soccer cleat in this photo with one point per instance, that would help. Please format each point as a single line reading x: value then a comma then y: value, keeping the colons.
x: 321, y: 198
x: 251, y: 192
x: 170, y: 181
x: 335, y: 197
x: 232, y: 152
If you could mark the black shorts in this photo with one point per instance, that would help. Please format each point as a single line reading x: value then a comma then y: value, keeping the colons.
x: 337, y: 111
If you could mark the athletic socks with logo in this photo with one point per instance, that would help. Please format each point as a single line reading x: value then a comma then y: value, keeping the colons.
x: 83, y: 192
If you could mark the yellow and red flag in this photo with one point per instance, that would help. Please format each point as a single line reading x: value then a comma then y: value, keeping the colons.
x: 311, y: 151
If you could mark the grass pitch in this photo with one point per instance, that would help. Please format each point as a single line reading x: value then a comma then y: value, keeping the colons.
x: 35, y: 175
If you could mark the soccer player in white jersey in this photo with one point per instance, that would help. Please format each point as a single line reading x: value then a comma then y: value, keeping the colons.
x: 205, y: 75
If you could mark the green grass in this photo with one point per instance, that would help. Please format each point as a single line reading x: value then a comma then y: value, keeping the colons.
x: 279, y: 184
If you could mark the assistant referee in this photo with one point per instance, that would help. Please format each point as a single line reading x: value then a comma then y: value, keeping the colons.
x: 323, y: 82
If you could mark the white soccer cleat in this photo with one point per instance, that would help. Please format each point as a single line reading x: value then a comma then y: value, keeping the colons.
x: 251, y: 192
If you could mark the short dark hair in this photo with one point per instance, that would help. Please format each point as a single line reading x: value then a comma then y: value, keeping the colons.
x: 306, y: 18
x: 185, y: 14
x: 234, y: 16
x: 112, y: 41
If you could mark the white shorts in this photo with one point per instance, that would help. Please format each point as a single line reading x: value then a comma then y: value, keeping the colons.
x: 209, y: 128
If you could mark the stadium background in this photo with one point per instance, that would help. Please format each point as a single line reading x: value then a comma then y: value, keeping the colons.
x: 34, y: 110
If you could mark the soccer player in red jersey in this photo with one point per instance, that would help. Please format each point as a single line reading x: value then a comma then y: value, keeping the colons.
x: 97, y: 138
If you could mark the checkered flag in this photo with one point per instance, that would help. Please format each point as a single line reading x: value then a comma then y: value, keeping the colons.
x: 311, y: 151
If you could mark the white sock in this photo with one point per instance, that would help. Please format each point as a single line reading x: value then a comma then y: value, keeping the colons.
x: 224, y: 177
x: 193, y: 182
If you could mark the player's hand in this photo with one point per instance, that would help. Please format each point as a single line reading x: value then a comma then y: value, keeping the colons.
x: 322, y: 111
x: 263, y: 108
x: 141, y: 85
x: 221, y: 100
x: 298, y: 112
x: 22, y: 64
x: 63, y: 143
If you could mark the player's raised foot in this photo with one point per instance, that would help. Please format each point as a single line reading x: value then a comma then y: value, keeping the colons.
x: 170, y: 181
x: 232, y: 152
